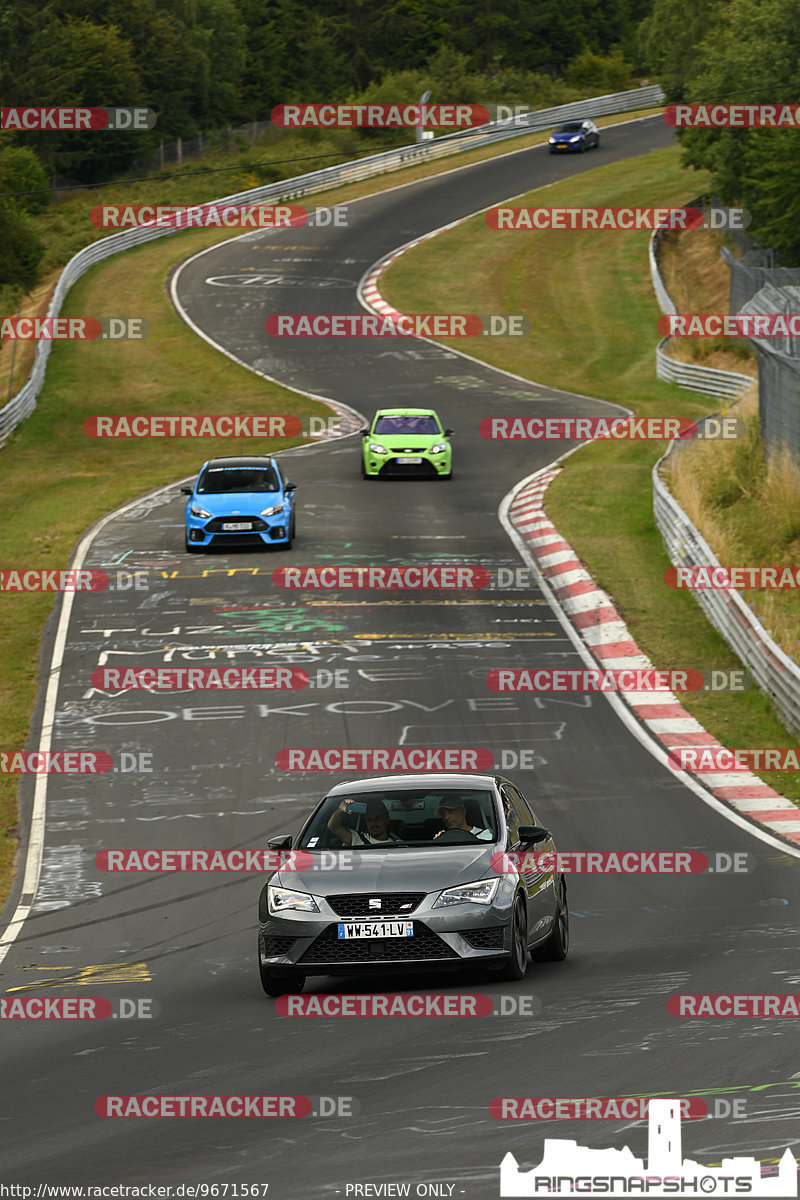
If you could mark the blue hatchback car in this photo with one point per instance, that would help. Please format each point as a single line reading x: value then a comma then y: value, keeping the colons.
x: 241, y: 501
x: 574, y: 135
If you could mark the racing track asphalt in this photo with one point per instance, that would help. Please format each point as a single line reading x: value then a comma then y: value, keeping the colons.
x: 416, y: 667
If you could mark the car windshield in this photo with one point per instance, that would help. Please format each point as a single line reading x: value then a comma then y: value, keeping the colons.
x: 237, y: 479
x: 570, y: 127
x: 401, y: 425
x: 402, y: 817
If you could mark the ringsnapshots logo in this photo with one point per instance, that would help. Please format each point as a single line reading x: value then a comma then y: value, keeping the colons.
x: 76, y: 120
x: 451, y: 325
x: 567, y: 1168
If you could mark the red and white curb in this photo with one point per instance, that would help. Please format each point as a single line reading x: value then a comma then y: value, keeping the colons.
x: 368, y: 291
x: 608, y: 640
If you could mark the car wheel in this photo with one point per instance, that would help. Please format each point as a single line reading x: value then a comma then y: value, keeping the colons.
x: 556, y: 948
x: 517, y: 964
x: 275, y: 983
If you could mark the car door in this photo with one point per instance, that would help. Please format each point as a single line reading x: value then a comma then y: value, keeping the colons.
x: 539, y: 884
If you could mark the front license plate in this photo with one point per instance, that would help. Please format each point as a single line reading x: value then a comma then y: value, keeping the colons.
x: 412, y: 458
x: 234, y: 526
x: 376, y: 929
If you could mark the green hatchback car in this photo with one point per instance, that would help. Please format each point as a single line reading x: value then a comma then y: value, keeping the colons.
x: 406, y: 442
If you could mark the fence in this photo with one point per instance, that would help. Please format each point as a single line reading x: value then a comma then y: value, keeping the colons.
x: 772, y: 669
x: 23, y: 404
x: 708, y: 380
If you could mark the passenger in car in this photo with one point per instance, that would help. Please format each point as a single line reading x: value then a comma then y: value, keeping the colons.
x: 376, y: 820
x: 453, y: 811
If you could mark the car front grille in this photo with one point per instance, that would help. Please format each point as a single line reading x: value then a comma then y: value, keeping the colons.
x: 424, y: 470
x: 216, y: 523
x: 357, y: 904
x: 484, y: 939
x: 328, y: 948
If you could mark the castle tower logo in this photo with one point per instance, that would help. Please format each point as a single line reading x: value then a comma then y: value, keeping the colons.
x: 567, y: 1168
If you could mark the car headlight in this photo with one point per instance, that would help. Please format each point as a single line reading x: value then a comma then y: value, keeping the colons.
x: 273, y: 511
x: 439, y: 448
x: 196, y: 511
x: 377, y: 448
x: 576, y: 138
x: 279, y: 899
x: 482, y: 892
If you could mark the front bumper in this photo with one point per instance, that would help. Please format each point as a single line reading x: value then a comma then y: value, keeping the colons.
x: 442, y: 938
x: 430, y: 466
x: 207, y: 532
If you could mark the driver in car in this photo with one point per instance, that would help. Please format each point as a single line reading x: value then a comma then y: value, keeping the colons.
x: 376, y: 820
x: 454, y: 814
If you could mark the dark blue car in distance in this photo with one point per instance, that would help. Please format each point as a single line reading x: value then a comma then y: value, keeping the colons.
x: 574, y: 135
x: 240, y: 501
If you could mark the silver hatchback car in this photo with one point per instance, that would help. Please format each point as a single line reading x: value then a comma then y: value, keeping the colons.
x: 407, y: 872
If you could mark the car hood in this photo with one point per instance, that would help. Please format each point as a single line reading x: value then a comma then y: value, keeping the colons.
x: 245, y: 502
x: 400, y: 870
x: 408, y: 441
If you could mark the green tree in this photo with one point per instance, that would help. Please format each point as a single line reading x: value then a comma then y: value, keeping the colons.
x: 21, y: 248
x: 21, y: 172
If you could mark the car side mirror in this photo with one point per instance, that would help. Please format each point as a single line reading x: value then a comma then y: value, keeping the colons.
x: 290, y: 487
x: 187, y: 491
x: 282, y: 842
x: 449, y: 432
x: 529, y: 835
x: 365, y: 432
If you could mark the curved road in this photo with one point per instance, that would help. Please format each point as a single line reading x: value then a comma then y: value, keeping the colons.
x: 415, y: 666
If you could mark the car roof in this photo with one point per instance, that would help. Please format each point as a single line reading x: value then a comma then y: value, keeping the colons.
x: 242, y: 460
x: 432, y: 779
x: 406, y: 412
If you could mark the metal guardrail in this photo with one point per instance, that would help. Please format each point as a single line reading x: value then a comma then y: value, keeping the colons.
x: 774, y: 671
x: 24, y: 402
x: 708, y: 380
